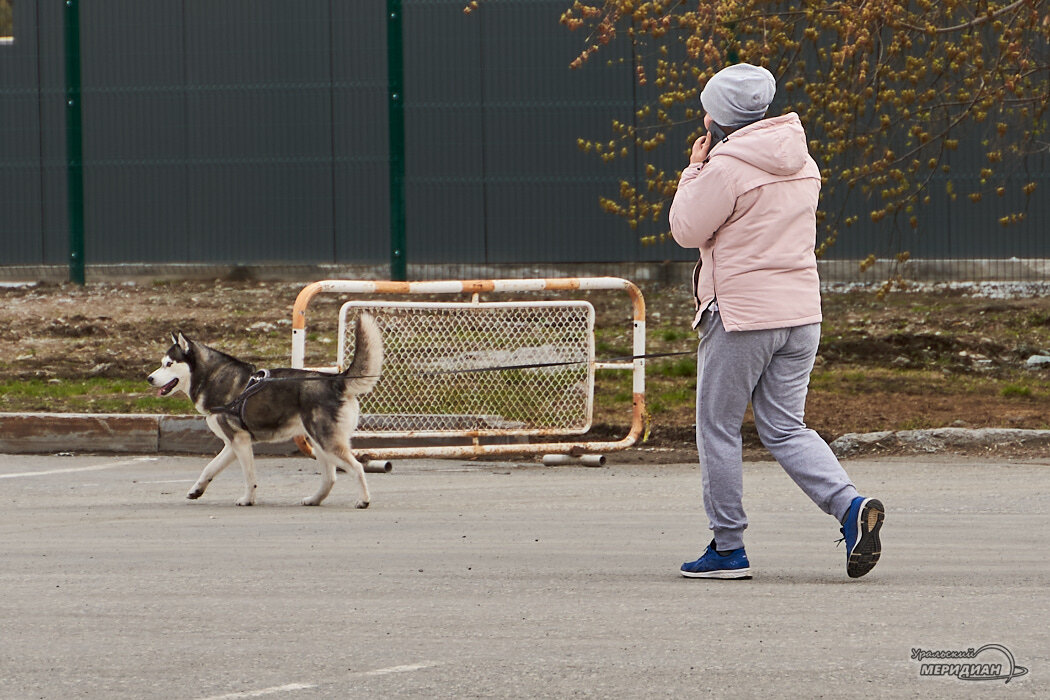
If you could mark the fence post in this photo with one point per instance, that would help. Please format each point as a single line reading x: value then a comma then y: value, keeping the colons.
x: 74, y: 143
x: 396, y: 122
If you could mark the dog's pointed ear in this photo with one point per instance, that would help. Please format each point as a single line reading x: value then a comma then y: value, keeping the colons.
x: 183, y: 342
x: 174, y: 338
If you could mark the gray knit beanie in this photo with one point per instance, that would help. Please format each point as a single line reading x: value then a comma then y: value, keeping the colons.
x: 738, y: 95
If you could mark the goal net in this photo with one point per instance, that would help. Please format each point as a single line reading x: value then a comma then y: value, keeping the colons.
x: 485, y: 368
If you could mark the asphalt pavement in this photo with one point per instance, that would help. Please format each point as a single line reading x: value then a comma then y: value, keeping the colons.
x: 487, y: 579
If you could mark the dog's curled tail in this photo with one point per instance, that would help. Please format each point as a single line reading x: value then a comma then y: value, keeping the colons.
x: 363, y: 372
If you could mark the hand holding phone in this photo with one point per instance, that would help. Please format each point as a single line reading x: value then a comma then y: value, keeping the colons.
x: 703, y: 145
x: 700, y: 149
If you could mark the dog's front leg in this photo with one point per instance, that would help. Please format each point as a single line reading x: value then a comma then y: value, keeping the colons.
x: 216, y: 465
x: 242, y: 446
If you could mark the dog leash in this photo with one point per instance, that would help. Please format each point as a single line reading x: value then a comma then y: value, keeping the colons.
x: 539, y: 365
x: 259, y: 379
x: 256, y: 378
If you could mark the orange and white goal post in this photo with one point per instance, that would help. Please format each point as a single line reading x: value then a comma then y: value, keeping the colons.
x: 473, y: 371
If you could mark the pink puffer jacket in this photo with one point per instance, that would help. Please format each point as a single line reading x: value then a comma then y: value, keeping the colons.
x: 751, y: 210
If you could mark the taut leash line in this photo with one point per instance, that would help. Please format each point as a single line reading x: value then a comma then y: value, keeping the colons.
x: 539, y: 365
x: 262, y: 377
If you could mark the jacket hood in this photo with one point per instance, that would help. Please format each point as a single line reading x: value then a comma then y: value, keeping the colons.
x: 776, y: 145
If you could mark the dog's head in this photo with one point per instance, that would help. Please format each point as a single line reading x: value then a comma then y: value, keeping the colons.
x: 175, y: 368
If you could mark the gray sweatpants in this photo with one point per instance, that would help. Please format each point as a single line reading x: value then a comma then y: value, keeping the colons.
x: 769, y: 368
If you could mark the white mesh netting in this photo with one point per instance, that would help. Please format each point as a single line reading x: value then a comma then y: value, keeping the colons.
x: 451, y: 368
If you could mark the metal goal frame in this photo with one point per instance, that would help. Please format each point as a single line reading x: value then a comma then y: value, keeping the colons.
x: 572, y: 446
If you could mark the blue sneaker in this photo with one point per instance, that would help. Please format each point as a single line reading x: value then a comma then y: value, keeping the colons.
x: 860, y: 530
x: 714, y: 565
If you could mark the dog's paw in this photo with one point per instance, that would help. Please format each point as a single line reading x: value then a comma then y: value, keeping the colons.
x: 194, y: 494
x: 362, y: 504
x: 310, y: 501
x: 245, y: 501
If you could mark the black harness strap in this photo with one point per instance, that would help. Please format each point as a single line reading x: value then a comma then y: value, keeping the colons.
x: 236, y: 407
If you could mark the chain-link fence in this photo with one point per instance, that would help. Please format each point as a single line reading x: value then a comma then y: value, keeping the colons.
x: 495, y: 368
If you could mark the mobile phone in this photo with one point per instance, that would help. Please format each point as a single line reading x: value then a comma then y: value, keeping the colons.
x: 715, y: 130
x: 718, y: 134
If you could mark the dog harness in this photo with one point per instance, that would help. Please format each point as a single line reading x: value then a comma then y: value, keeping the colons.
x: 236, y: 407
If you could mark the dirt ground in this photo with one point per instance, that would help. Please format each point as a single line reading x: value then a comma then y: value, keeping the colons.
x: 941, y: 357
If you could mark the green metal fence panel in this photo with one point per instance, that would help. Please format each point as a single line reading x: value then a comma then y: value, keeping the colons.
x: 259, y: 132
x: 31, y: 167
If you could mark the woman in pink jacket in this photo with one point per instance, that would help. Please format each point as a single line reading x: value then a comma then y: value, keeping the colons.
x: 748, y: 201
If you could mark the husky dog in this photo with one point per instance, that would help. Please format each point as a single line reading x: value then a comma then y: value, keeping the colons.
x: 244, y: 406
